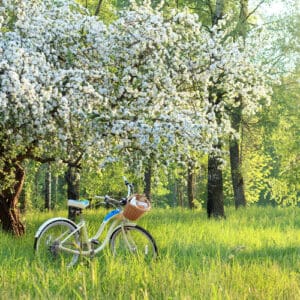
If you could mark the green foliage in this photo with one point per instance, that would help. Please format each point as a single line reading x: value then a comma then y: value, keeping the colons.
x: 254, y: 254
x: 107, y: 12
x: 258, y: 168
x: 108, y: 181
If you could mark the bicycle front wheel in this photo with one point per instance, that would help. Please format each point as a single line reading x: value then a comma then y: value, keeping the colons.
x: 59, y: 233
x: 133, y: 241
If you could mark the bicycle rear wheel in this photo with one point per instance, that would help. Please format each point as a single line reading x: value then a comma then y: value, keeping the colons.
x: 133, y: 241
x: 47, y: 244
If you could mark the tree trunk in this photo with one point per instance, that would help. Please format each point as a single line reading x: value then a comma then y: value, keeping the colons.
x: 72, y: 177
x: 235, y: 163
x: 48, y: 187
x: 9, y: 198
x: 191, y: 185
x: 243, y: 24
x: 97, y: 11
x: 215, y: 195
x: 236, y: 123
x: 218, y: 11
x: 55, y: 196
x: 179, y: 192
x: 147, y: 181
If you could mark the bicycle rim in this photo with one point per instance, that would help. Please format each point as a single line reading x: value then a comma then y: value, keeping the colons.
x: 48, y: 245
x: 133, y: 242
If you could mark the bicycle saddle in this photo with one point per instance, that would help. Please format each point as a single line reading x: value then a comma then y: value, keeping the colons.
x: 81, y: 204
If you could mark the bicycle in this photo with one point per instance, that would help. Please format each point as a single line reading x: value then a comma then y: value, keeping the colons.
x: 61, y: 241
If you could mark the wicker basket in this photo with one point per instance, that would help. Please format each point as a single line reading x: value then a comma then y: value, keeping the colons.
x: 133, y: 212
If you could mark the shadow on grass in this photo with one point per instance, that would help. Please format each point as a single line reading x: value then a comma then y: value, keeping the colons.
x: 205, y: 255
x: 285, y: 257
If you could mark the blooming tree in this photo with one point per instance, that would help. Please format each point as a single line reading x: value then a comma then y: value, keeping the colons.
x: 72, y: 87
x: 46, y: 94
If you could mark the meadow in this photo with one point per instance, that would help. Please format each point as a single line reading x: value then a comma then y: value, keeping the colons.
x: 253, y: 254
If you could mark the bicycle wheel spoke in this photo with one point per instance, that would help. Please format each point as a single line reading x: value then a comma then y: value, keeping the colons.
x: 133, y: 242
x: 50, y: 241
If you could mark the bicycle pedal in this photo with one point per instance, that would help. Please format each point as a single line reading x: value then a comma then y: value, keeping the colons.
x: 95, y: 242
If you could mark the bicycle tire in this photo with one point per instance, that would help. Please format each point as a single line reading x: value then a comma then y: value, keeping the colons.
x: 133, y: 241
x: 46, y: 244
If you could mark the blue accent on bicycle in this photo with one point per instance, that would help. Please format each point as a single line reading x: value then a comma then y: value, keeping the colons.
x: 111, y: 214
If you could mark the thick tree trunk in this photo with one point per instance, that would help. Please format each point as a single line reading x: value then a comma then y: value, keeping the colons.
x: 9, y: 198
x: 215, y: 196
x: 72, y: 177
x: 191, y: 185
x: 147, y: 181
x: 235, y: 164
x: 48, y: 181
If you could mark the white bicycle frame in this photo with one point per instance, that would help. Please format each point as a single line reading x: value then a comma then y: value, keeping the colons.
x: 82, y: 229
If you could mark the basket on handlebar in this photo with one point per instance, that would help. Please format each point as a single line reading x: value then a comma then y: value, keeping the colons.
x: 136, y: 206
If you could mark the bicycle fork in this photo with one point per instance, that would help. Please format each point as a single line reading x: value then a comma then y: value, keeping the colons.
x: 129, y: 241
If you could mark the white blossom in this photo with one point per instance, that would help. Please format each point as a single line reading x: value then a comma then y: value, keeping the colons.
x: 70, y: 84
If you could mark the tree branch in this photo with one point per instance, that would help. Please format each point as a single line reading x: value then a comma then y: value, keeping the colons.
x: 98, y: 7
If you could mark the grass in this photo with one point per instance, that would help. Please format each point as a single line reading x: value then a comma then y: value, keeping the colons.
x: 253, y: 254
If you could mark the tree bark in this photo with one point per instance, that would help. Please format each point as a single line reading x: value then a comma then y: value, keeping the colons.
x: 236, y: 123
x: 48, y: 180
x: 236, y: 164
x: 179, y: 193
x: 9, y: 197
x: 147, y: 181
x: 191, y: 185
x: 72, y: 177
x: 97, y: 11
x: 243, y: 25
x: 215, y: 195
x: 218, y: 12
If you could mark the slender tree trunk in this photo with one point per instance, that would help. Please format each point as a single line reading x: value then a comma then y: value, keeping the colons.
x: 48, y: 181
x: 179, y: 194
x: 243, y: 24
x: 175, y: 196
x: 72, y: 177
x: 97, y: 11
x: 191, y: 185
x: 215, y: 195
x: 236, y: 165
x: 9, y: 211
x: 236, y: 123
x: 55, y: 190
x: 147, y: 181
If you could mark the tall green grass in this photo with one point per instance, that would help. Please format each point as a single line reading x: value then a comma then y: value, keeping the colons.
x: 253, y: 254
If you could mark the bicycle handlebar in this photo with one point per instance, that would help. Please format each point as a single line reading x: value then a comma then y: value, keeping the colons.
x: 130, y: 186
x: 113, y: 202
